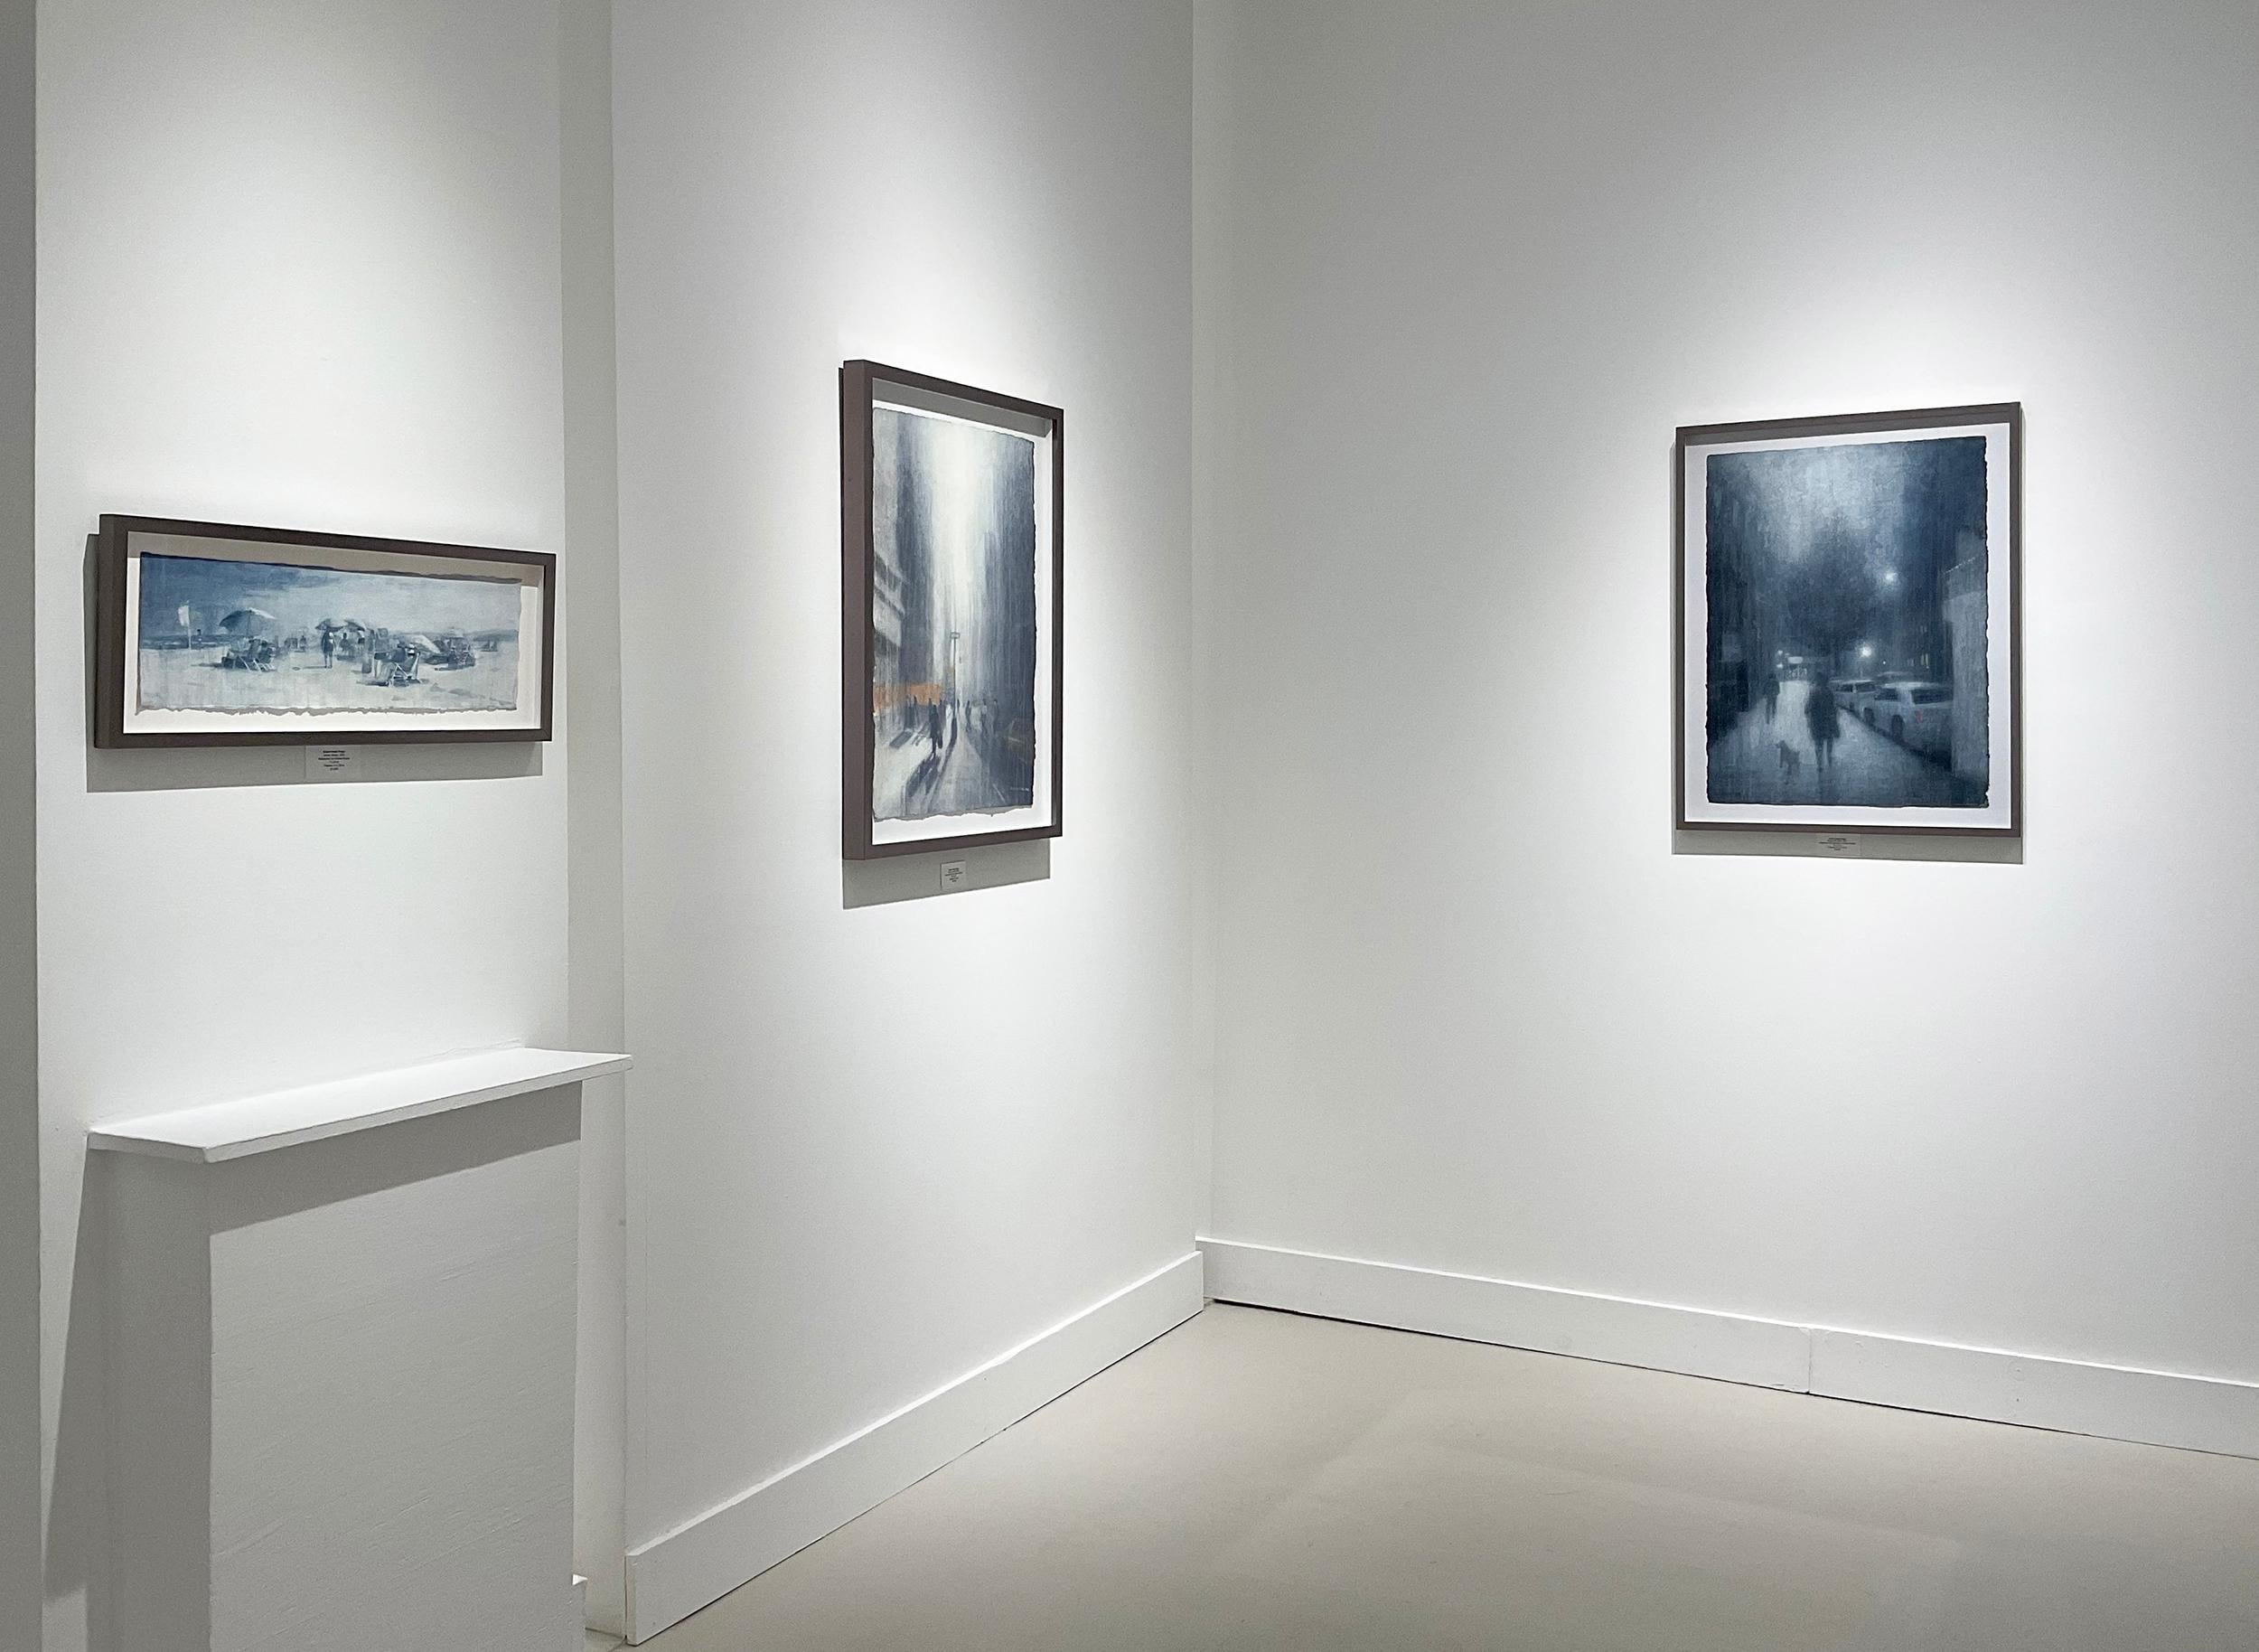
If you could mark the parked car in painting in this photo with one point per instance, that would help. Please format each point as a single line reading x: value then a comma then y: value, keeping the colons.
x: 1850, y: 691
x: 1918, y: 714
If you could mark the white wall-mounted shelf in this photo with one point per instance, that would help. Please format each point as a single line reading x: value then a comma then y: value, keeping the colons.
x: 284, y: 1118
x: 304, y: 1344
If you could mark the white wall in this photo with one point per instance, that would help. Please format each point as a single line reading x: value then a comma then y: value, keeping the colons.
x: 298, y: 265
x: 1367, y: 674
x: 598, y: 1008
x: 1477, y: 1014
x: 19, y: 979
x: 871, y: 1148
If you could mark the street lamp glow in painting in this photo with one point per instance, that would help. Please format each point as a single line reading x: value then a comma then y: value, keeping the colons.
x: 1847, y: 640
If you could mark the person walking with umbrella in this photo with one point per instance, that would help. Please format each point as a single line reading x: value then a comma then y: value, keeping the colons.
x: 1820, y: 719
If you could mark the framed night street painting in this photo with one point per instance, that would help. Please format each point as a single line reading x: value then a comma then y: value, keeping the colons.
x: 1846, y: 595
x: 213, y: 634
x: 951, y: 561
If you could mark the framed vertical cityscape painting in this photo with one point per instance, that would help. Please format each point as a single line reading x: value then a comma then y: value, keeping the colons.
x: 213, y: 634
x: 1846, y: 598
x: 952, y: 551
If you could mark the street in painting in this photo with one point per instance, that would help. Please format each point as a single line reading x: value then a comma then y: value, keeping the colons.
x: 1846, y: 585
x: 953, y: 630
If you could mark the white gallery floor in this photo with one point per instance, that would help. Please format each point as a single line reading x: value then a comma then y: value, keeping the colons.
x: 1259, y: 1480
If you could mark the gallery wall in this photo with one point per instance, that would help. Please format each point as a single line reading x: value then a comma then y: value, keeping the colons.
x: 19, y: 977
x: 1372, y: 324
x: 875, y: 1140
x: 1479, y: 1012
x: 591, y: 686
x: 297, y: 266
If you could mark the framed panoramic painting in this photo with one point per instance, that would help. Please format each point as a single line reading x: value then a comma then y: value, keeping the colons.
x: 213, y: 634
x: 951, y: 561
x: 1846, y: 596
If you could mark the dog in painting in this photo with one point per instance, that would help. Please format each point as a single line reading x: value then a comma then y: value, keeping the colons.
x: 1790, y: 759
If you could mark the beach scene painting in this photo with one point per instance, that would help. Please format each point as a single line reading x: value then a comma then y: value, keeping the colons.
x: 233, y: 637
x: 212, y: 636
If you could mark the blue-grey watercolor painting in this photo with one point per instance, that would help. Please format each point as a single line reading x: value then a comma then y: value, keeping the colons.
x: 222, y: 635
x: 1848, y: 648
x: 953, y: 621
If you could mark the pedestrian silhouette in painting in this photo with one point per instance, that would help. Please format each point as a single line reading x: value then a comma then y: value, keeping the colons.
x: 1825, y: 724
x: 1847, y: 650
x: 954, y: 666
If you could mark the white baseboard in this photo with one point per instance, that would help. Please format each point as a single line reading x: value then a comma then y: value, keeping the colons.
x: 2198, y: 1413
x: 704, y: 1559
x: 1621, y: 1332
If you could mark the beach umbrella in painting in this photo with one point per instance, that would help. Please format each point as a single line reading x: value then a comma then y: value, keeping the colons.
x: 248, y: 621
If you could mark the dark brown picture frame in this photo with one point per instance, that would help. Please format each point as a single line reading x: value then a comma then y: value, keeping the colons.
x: 2008, y: 413
x: 858, y: 382
x: 112, y: 540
